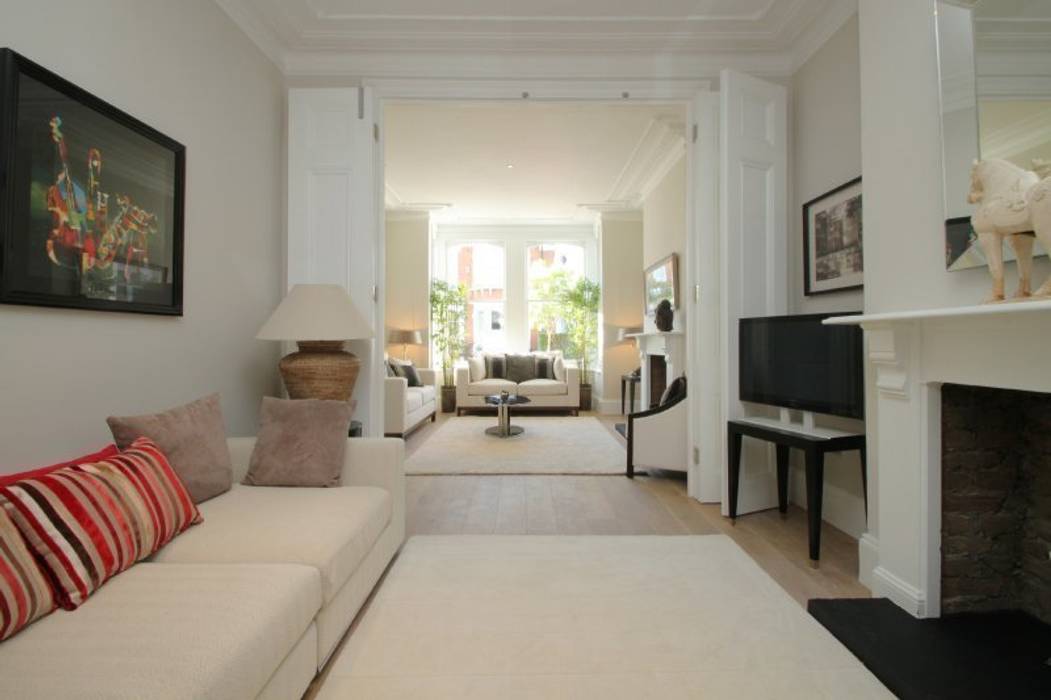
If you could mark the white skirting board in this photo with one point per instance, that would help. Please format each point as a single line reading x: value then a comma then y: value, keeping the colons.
x: 611, y: 407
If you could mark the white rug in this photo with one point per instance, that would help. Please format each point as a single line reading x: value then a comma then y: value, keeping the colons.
x: 549, y: 445
x: 589, y: 617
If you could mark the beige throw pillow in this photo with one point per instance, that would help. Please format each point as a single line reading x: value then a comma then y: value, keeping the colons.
x: 192, y: 437
x: 476, y: 368
x: 301, y: 443
x: 560, y: 369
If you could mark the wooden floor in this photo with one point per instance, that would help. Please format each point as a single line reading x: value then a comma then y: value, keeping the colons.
x: 615, y: 505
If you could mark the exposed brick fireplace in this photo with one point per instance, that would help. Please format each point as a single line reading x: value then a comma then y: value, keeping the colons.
x: 996, y: 500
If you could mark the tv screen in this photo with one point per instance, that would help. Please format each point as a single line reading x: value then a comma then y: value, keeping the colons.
x: 797, y: 362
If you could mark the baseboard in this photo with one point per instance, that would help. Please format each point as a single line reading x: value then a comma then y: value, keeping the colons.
x: 840, y: 507
x: 904, y: 594
x: 611, y: 407
x: 868, y: 560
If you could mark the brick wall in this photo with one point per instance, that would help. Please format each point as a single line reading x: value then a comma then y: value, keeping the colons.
x: 996, y: 500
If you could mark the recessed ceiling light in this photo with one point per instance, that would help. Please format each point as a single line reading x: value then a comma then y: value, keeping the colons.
x: 510, y: 166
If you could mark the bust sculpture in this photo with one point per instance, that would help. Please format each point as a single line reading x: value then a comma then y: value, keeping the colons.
x: 664, y: 316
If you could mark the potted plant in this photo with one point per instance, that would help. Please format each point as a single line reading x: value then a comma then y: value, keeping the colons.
x: 581, y: 305
x: 448, y: 314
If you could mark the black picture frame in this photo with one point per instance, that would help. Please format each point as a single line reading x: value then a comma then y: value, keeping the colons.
x: 809, y: 286
x: 131, y: 261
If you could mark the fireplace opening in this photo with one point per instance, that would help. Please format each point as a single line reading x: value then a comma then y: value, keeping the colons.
x: 996, y: 501
x: 658, y: 378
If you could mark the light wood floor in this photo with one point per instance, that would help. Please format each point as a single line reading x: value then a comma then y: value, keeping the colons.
x: 615, y: 505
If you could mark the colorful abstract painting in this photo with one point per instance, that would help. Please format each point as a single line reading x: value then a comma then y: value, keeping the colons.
x: 93, y: 200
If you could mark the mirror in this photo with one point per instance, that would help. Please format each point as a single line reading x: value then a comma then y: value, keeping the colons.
x: 994, y: 61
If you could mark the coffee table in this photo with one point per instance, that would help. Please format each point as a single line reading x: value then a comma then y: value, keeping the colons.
x: 503, y: 427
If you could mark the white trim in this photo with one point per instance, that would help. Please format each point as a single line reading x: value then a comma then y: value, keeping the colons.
x: 868, y: 560
x: 575, y: 89
x: 821, y: 30
x: 661, y: 146
x: 870, y: 321
x: 903, y: 594
x: 261, y: 34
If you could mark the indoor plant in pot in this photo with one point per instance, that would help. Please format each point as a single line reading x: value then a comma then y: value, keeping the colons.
x: 448, y: 313
x: 581, y: 303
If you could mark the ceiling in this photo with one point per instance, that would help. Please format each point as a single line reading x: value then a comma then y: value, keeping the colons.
x: 345, y: 36
x: 562, y: 155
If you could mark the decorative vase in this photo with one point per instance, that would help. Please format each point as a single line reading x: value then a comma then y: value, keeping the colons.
x: 664, y: 317
x: 321, y: 369
x: 448, y: 399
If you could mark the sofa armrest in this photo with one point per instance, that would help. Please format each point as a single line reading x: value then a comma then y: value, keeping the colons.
x: 394, y: 391
x: 378, y: 462
x: 573, y: 384
x: 463, y: 378
x: 429, y: 377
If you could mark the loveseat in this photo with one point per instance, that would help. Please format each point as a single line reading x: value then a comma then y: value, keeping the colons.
x: 561, y: 392
x: 407, y: 407
x: 250, y: 603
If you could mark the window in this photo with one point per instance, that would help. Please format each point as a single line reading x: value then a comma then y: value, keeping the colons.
x: 480, y: 267
x: 550, y: 269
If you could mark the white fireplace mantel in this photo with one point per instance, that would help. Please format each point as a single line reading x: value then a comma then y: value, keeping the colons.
x: 913, y: 353
x: 671, y: 345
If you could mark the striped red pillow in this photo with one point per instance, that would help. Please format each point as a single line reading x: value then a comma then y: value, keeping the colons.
x: 25, y: 594
x: 89, y: 522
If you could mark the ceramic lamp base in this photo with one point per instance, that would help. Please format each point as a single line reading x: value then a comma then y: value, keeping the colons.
x: 320, y: 370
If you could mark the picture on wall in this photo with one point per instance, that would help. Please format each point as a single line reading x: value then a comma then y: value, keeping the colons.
x: 662, y: 282
x: 91, y: 212
x: 832, y: 257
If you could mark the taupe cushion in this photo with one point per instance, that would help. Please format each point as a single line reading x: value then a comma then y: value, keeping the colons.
x: 192, y: 437
x: 301, y: 443
x: 521, y: 368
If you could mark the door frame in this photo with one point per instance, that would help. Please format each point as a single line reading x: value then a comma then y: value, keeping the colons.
x: 694, y: 95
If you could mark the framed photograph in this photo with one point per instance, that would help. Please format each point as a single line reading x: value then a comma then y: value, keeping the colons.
x: 832, y: 259
x: 91, y: 206
x: 662, y: 282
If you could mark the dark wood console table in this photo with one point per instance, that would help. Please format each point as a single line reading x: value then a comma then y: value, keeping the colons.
x: 814, y: 446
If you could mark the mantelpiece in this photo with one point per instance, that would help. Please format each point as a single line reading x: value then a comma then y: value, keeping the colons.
x: 913, y: 353
x: 669, y: 344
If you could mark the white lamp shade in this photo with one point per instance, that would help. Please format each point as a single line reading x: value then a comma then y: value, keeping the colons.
x: 315, y: 312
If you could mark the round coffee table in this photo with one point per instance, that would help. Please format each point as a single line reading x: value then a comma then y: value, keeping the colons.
x: 503, y: 427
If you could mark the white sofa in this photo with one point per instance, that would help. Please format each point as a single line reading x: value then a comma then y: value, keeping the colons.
x: 407, y: 407
x: 542, y: 393
x: 248, y: 604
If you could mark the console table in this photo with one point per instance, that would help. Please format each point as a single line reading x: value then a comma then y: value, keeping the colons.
x: 814, y: 445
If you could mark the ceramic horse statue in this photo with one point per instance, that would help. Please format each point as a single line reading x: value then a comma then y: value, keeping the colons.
x: 1015, y: 204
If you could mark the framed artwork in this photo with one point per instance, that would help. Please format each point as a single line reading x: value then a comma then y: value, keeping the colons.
x: 832, y: 259
x: 91, y: 206
x: 662, y: 282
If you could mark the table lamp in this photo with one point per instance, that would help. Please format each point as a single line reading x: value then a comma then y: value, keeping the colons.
x: 405, y: 338
x: 320, y: 318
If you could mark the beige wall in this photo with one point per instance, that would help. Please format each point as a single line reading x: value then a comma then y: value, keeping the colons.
x: 621, y: 299
x: 407, y: 294
x: 826, y: 149
x: 664, y: 218
x: 187, y: 70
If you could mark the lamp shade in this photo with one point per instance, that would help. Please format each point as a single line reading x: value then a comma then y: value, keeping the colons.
x: 315, y: 312
x: 400, y: 336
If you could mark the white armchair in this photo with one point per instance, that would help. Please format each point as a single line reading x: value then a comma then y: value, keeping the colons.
x: 407, y: 407
x: 655, y: 436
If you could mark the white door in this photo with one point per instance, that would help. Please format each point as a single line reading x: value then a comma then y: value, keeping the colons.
x: 334, y: 225
x: 754, y: 220
x: 703, y: 291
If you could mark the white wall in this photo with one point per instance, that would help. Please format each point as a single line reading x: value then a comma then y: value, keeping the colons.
x: 186, y: 69
x: 407, y: 282
x: 826, y: 152
x: 622, y: 301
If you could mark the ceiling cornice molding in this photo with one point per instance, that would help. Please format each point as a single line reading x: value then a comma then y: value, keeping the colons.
x: 818, y: 32
x: 392, y: 202
x: 660, y: 147
x: 1019, y: 137
x: 256, y: 28
x: 406, y: 215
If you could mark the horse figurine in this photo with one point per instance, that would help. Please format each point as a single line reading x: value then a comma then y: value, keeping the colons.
x: 1015, y: 204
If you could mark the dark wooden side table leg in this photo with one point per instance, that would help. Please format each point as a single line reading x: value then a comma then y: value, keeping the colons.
x: 622, y: 383
x: 631, y: 394
x: 815, y: 486
x: 782, y: 478
x: 733, y: 471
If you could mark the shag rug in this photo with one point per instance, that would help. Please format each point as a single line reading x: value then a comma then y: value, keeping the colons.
x: 588, y: 617
x: 549, y: 445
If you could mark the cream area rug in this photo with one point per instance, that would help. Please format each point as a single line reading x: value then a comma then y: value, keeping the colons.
x: 549, y: 445
x: 588, y: 617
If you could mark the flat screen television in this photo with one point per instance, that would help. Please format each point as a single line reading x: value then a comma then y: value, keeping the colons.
x: 797, y: 362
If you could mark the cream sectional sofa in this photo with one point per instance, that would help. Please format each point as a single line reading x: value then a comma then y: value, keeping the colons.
x: 542, y: 393
x: 407, y: 407
x: 248, y: 604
